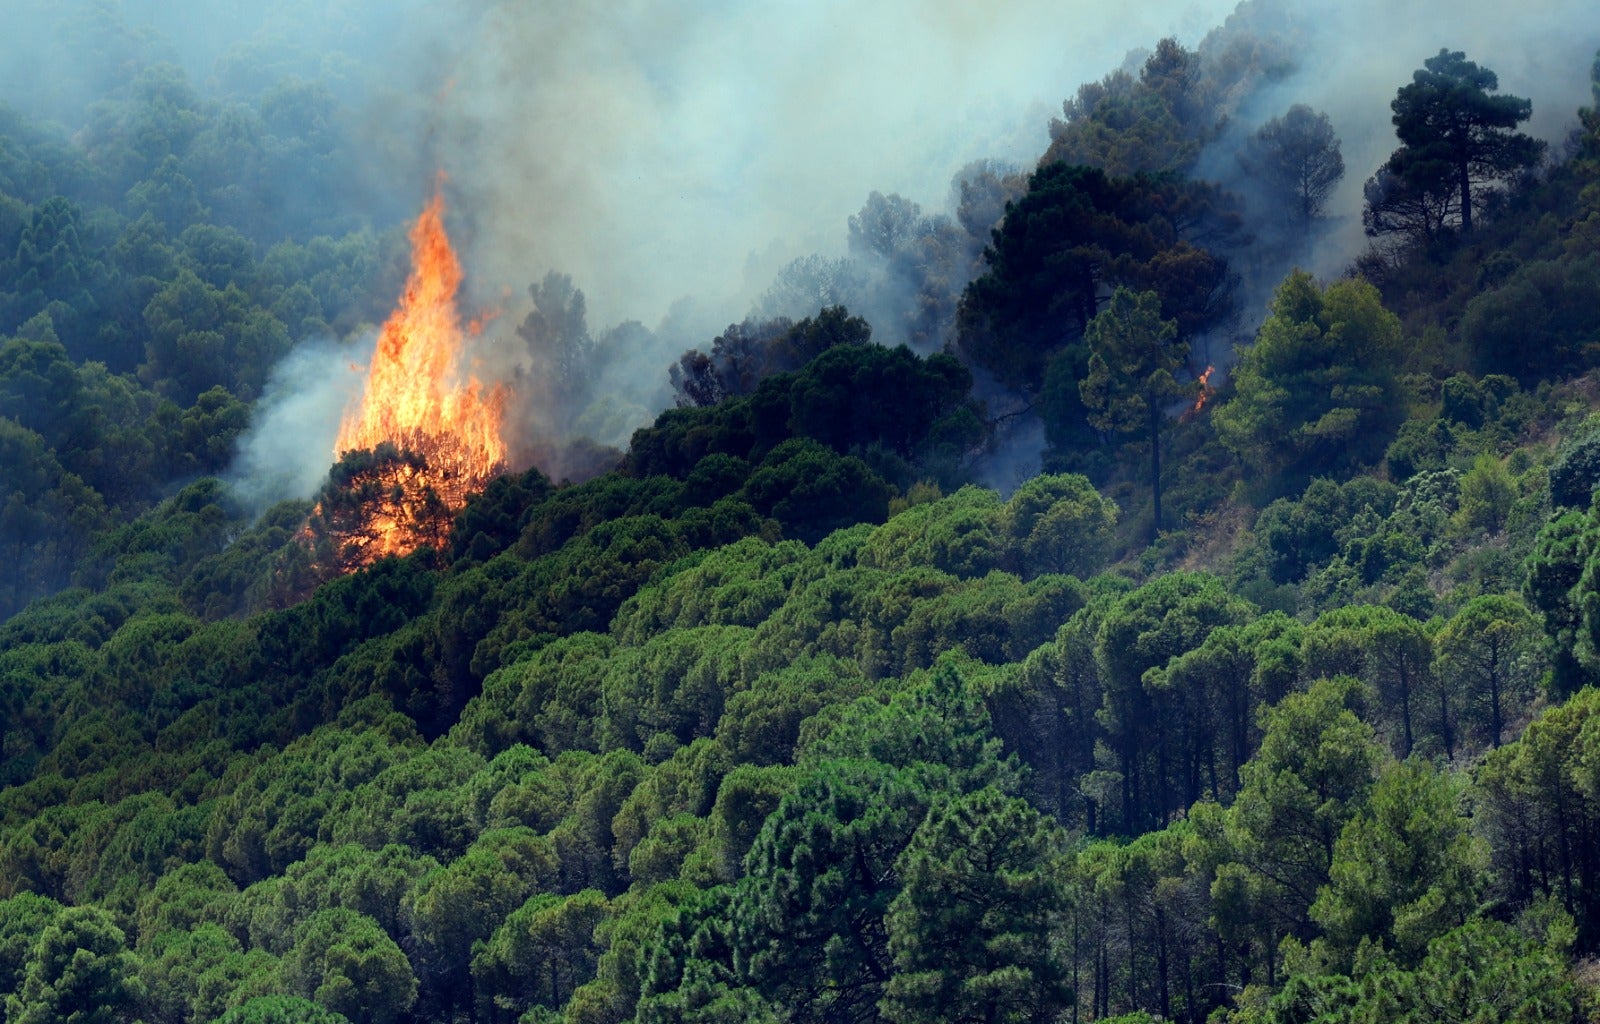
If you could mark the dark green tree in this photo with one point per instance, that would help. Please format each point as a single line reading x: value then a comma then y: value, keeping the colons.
x: 1390, y: 652
x: 467, y: 900
x: 1537, y: 807
x: 808, y: 917
x: 1456, y: 138
x: 1155, y: 123
x: 1077, y: 234
x: 545, y: 950
x: 1404, y: 871
x: 1537, y: 324
x: 1553, y: 570
x: 23, y: 918
x: 1312, y: 775
x: 1155, y: 735
x: 281, y: 1010
x: 1481, y: 973
x: 1297, y: 156
x: 1486, y: 647
x: 1134, y: 355
x: 1058, y: 523
x: 344, y: 961
x: 974, y: 931
x: 79, y: 970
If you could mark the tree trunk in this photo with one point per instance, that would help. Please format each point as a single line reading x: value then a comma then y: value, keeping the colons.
x: 1405, y: 709
x: 1161, y: 965
x: 1446, y: 733
x: 1495, y: 724
x: 1155, y: 470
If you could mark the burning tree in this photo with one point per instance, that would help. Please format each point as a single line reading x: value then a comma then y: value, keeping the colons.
x: 423, y: 438
x: 375, y: 500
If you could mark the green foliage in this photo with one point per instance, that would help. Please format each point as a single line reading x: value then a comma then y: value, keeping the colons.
x: 545, y: 949
x: 1077, y: 232
x: 1479, y: 653
x: 1317, y: 394
x: 937, y: 730
x: 1124, y: 125
x: 1456, y: 140
x: 1312, y: 776
x: 1133, y: 354
x: 345, y: 962
x: 1297, y: 156
x: 494, y: 518
x: 808, y: 916
x: 1555, y: 568
x: 960, y: 534
x: 1534, y: 325
x: 1575, y: 472
x: 973, y: 929
x: 80, y: 970
x: 853, y: 399
x: 23, y: 918
x: 1538, y: 809
x: 811, y: 492
x: 195, y: 975
x: 1062, y: 525
x: 200, y: 336
x: 1487, y: 493
x: 281, y: 1010
x: 49, y: 516
x: 1153, y: 732
x: 1392, y: 653
x: 762, y: 722
x: 467, y: 899
x: 1405, y: 871
x: 1478, y: 973
x: 620, y: 751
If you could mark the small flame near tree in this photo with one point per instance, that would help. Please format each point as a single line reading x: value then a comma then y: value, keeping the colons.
x: 1205, y: 394
x: 424, y: 435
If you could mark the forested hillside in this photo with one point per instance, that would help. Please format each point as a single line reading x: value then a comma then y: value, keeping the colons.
x: 1264, y: 694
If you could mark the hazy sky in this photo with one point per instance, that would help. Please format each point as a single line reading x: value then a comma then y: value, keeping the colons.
x: 655, y: 149
x: 660, y: 149
x: 652, y: 149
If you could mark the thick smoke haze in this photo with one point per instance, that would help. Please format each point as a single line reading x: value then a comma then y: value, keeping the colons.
x: 1351, y: 58
x: 286, y: 453
x: 671, y: 158
x: 656, y: 150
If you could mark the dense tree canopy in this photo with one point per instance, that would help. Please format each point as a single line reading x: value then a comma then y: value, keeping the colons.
x: 1073, y: 237
x: 1134, y: 357
x: 1318, y: 391
x: 784, y: 717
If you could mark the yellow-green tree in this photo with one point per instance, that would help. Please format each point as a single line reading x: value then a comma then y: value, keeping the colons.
x: 1318, y: 392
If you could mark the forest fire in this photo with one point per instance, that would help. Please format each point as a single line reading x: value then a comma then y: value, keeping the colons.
x: 435, y: 437
x: 1206, y: 391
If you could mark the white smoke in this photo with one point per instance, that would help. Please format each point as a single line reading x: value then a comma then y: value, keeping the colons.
x: 649, y: 148
x: 287, y: 450
x: 1354, y: 56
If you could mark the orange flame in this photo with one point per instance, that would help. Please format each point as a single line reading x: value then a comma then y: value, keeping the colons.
x: 1206, y: 391
x: 416, y: 400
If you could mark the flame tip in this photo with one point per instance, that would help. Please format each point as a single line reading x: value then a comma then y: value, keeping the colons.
x: 415, y: 398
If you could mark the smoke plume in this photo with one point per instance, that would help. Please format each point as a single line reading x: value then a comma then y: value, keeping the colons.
x: 671, y: 159
x: 285, y: 454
